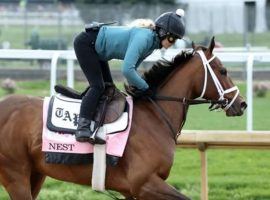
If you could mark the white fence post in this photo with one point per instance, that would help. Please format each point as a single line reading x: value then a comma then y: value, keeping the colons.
x: 70, y: 73
x: 54, y: 71
x: 250, y: 62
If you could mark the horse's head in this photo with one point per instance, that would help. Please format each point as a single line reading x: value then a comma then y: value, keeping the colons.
x: 213, y: 82
x: 199, y: 74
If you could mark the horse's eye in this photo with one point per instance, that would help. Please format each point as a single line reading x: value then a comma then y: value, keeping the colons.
x: 223, y: 71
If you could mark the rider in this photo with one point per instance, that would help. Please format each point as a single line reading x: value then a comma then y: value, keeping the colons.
x: 96, y: 46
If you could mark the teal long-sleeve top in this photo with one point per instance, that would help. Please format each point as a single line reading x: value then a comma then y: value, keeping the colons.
x: 130, y: 44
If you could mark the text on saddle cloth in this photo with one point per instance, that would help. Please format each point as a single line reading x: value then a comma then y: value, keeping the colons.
x: 62, y: 116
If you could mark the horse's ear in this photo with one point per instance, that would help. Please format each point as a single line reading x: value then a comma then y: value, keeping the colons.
x: 193, y: 45
x: 212, y: 44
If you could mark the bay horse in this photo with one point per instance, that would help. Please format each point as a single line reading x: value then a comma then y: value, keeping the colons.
x: 148, y: 157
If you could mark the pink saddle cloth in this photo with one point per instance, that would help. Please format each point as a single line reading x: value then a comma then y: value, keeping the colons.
x: 66, y: 143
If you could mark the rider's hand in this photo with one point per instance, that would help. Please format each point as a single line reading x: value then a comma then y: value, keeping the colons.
x: 139, y: 94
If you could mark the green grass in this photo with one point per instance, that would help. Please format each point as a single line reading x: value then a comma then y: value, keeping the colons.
x: 233, y: 174
x: 15, y: 34
x: 199, y: 118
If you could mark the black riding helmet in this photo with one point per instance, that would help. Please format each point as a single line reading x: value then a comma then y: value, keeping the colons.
x: 171, y: 25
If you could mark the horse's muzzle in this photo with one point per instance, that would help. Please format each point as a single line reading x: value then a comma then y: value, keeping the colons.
x: 243, y: 105
x: 237, y: 109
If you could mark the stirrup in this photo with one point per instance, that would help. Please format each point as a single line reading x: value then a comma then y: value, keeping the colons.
x: 95, y: 139
x: 92, y: 138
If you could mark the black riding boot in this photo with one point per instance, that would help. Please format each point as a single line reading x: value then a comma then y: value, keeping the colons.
x: 83, y: 132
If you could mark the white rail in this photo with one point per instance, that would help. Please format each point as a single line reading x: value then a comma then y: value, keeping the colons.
x: 54, y: 55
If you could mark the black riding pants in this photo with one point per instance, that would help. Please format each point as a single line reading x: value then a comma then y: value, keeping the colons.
x: 96, y: 71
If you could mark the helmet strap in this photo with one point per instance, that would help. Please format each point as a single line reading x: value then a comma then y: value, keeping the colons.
x: 162, y: 34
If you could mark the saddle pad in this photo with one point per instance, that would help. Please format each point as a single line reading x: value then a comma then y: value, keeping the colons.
x: 62, y: 142
x: 63, y: 116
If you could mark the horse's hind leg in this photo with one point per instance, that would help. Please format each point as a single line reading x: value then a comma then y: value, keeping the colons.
x: 19, y: 188
x: 22, y: 187
x: 156, y: 188
x: 16, y: 180
x: 37, y: 180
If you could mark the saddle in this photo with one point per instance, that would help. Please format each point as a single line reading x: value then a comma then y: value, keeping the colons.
x: 111, y: 104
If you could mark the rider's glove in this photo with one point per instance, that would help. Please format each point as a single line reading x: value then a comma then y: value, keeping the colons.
x: 139, y: 94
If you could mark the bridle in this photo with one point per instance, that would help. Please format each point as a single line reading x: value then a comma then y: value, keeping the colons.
x: 221, y: 91
x: 222, y: 102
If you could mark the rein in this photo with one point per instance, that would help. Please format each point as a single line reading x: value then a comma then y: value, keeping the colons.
x: 186, y: 102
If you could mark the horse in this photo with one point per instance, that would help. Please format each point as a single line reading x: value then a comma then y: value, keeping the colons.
x: 142, y: 171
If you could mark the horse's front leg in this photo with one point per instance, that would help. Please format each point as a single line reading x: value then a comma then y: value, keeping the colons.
x: 156, y: 188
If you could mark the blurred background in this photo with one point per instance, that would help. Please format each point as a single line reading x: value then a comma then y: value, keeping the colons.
x: 52, y: 24
x: 241, y: 28
x: 238, y: 25
x: 235, y: 23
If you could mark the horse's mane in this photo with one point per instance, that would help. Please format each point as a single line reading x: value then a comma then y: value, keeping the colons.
x: 162, y: 68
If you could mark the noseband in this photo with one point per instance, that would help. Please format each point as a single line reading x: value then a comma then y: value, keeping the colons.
x: 222, y: 102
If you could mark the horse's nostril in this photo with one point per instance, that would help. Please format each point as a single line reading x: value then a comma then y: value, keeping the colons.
x: 243, y: 105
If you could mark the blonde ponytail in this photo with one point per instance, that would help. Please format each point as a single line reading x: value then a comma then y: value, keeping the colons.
x: 143, y: 23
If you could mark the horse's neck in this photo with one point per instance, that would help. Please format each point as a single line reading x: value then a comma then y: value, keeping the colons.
x: 178, y: 86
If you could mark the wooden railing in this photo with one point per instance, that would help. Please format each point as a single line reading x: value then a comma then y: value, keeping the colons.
x: 203, y: 140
